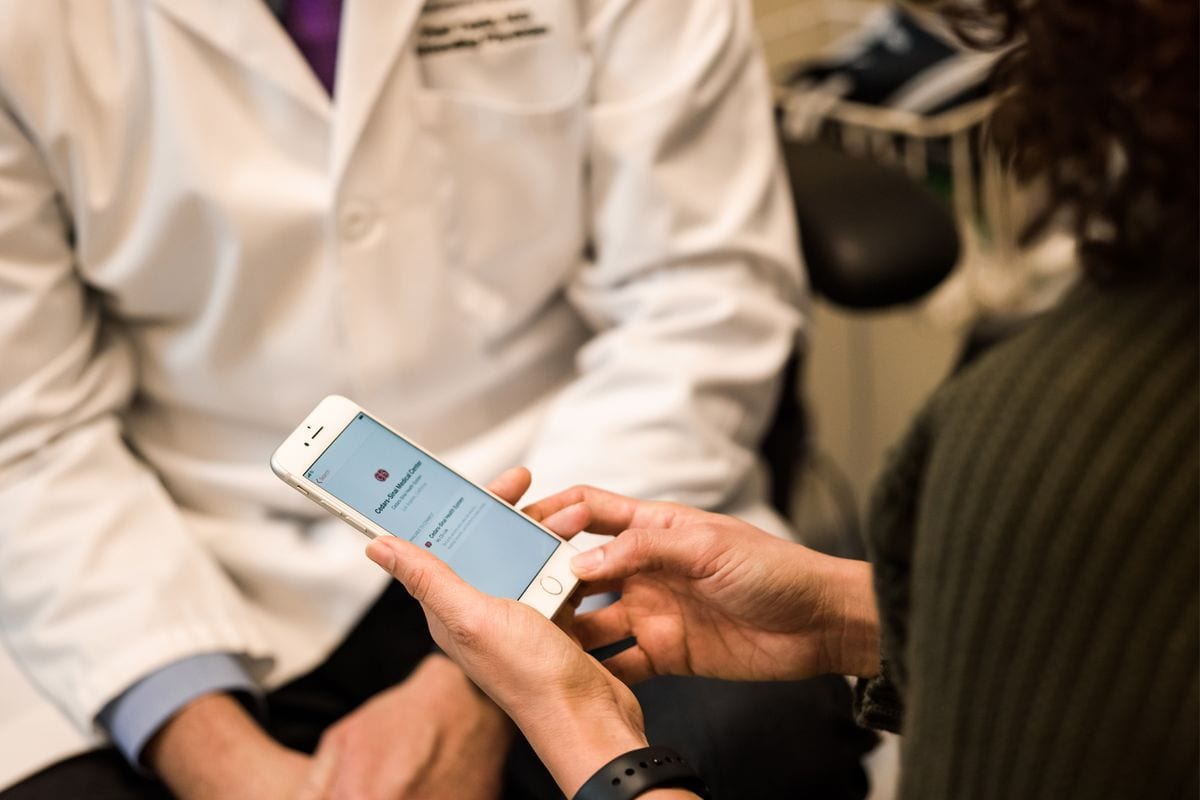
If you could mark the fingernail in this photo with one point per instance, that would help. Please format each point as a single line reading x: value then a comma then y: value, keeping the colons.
x: 381, y: 554
x: 588, y: 561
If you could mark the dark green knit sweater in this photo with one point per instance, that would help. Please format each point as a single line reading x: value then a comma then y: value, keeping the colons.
x: 1035, y: 547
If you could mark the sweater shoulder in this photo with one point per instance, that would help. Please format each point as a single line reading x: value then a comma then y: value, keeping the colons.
x: 1103, y: 359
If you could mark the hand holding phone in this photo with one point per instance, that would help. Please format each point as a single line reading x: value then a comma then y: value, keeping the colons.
x: 361, y: 470
x: 576, y: 714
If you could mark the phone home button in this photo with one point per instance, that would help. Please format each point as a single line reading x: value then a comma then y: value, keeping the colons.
x: 551, y: 585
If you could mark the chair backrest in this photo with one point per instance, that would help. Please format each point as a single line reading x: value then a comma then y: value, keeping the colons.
x: 785, y: 441
x: 872, y: 238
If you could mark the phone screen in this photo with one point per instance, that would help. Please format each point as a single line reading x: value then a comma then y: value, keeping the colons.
x: 410, y: 495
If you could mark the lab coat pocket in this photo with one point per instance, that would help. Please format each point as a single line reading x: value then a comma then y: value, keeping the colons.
x: 514, y: 212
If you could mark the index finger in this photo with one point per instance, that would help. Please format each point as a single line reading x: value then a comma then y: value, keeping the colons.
x: 511, y: 484
x: 611, y: 513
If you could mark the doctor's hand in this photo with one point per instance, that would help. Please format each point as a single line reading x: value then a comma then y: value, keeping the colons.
x: 574, y: 713
x: 706, y: 594
x: 432, y: 737
x: 214, y: 749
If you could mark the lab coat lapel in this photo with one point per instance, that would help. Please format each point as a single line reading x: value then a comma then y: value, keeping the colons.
x: 374, y: 33
x: 247, y: 32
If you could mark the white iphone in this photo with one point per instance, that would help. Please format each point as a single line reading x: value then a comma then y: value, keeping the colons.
x: 357, y: 468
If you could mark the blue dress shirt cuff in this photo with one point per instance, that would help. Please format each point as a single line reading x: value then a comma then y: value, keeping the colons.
x: 142, y: 709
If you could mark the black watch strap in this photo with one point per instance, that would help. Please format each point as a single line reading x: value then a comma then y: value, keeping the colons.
x: 639, y: 771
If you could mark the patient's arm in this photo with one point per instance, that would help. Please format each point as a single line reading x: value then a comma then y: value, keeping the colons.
x: 707, y: 594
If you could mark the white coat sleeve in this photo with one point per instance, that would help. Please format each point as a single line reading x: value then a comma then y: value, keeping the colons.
x: 694, y: 286
x: 100, y: 581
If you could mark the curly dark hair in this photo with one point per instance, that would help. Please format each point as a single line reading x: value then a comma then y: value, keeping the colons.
x: 1099, y: 100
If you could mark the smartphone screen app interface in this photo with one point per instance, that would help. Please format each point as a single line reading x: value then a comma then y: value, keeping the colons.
x: 410, y: 495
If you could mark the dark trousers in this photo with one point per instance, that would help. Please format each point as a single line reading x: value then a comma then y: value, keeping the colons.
x: 751, y: 740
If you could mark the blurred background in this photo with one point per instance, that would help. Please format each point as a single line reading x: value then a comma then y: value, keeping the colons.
x: 891, y: 89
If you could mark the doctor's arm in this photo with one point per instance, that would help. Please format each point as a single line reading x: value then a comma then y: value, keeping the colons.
x: 695, y: 281
x: 101, y: 584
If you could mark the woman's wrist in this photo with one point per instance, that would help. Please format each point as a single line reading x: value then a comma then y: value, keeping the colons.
x: 852, y: 630
x: 574, y: 743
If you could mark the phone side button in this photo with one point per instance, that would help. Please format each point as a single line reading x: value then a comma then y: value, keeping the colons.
x: 302, y: 491
x: 551, y: 585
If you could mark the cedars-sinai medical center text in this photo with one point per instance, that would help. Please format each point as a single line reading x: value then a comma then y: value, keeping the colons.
x: 398, y: 487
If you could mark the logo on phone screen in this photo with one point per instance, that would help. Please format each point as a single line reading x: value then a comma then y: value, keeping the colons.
x: 381, y: 475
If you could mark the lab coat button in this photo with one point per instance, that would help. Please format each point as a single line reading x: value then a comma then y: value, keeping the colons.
x: 357, y: 219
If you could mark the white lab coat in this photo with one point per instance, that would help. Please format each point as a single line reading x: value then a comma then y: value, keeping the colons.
x: 196, y: 245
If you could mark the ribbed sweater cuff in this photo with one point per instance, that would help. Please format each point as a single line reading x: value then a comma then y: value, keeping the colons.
x: 878, y: 704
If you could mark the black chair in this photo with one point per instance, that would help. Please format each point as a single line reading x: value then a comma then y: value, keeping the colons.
x: 872, y: 238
